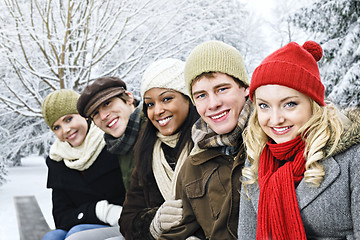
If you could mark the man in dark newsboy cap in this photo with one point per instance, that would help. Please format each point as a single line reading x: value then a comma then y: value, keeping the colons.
x: 114, y: 110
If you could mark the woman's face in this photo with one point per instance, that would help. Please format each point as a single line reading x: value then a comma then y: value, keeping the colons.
x: 282, y: 111
x: 167, y: 109
x: 71, y: 128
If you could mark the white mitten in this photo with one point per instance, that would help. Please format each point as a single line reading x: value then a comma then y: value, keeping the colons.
x: 169, y: 214
x: 193, y: 238
x: 108, y: 213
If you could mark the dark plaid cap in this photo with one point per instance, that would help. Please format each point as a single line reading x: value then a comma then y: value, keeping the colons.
x: 101, y: 90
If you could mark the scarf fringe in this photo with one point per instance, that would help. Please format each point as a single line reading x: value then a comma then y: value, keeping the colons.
x: 165, y: 177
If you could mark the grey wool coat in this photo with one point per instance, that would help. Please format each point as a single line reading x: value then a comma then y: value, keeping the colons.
x: 330, y: 211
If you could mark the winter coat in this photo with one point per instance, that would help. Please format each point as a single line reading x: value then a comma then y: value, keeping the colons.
x: 209, y: 186
x: 126, y: 163
x: 330, y: 211
x: 135, y: 223
x: 75, y: 193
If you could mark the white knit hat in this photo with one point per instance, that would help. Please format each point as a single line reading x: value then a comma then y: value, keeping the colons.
x: 164, y: 73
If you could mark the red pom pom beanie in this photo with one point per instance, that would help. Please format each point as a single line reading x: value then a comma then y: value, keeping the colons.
x: 293, y: 66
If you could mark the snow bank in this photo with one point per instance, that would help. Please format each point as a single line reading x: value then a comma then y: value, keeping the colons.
x: 29, y: 179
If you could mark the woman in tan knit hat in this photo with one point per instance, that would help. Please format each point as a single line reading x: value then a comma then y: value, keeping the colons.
x: 302, y: 177
x: 86, y: 183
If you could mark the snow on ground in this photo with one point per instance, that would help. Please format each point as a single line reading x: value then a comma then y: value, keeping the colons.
x: 29, y: 179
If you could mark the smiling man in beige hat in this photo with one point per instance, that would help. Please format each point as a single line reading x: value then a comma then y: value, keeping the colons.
x: 208, y: 182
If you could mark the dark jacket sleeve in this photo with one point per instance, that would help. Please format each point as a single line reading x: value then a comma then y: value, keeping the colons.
x: 73, y: 201
x: 66, y: 215
x: 138, y: 212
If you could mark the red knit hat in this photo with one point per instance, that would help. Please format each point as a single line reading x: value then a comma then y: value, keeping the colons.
x: 293, y: 66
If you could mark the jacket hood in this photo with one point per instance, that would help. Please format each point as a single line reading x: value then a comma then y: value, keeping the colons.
x: 351, y: 134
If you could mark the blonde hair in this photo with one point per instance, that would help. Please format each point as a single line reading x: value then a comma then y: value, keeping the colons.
x: 321, y: 135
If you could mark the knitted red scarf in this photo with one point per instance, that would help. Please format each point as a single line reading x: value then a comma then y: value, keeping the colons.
x: 279, y: 215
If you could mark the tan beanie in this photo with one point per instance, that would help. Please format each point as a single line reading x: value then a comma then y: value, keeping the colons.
x: 58, y: 104
x: 214, y: 56
x: 164, y: 73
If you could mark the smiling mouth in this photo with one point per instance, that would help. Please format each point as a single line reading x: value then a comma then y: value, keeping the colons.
x: 220, y: 115
x: 71, y: 136
x: 281, y: 130
x: 112, y: 123
x: 164, y: 121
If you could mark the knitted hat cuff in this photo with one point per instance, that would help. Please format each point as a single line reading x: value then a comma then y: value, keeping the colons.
x: 101, y: 97
x: 220, y: 67
x: 279, y: 73
x: 214, y: 56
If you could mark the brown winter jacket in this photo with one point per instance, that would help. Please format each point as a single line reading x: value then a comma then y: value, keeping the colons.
x: 209, y: 186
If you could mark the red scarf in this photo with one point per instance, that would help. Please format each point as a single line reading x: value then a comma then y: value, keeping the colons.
x: 279, y: 215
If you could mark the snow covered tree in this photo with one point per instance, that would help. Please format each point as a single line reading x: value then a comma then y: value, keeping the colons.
x: 335, y: 24
x: 282, y: 25
x: 3, y: 172
x: 52, y: 44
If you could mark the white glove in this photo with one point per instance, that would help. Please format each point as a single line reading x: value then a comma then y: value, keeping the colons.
x: 169, y: 214
x: 193, y: 238
x: 108, y: 213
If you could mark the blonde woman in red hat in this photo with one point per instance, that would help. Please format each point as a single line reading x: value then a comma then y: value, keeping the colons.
x: 301, y: 180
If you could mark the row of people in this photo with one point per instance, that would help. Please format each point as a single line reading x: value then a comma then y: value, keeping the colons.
x: 206, y: 155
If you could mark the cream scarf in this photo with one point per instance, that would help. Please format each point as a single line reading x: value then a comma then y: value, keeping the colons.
x: 165, y: 177
x: 83, y: 156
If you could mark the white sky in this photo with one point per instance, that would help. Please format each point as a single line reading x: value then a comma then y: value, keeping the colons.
x: 263, y: 6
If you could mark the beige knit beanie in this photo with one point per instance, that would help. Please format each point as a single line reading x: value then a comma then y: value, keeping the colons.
x: 214, y: 56
x: 164, y: 73
x: 58, y: 104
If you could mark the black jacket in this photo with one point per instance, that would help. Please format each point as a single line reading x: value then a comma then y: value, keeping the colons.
x: 75, y: 193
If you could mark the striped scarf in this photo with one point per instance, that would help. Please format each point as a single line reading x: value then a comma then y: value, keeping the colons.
x: 125, y: 143
x: 204, y: 137
x: 279, y: 215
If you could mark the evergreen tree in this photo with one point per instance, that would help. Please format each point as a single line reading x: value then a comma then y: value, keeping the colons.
x: 335, y: 24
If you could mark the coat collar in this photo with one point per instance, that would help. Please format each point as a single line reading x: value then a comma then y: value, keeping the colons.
x: 306, y: 192
x: 208, y: 154
x: 204, y: 156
